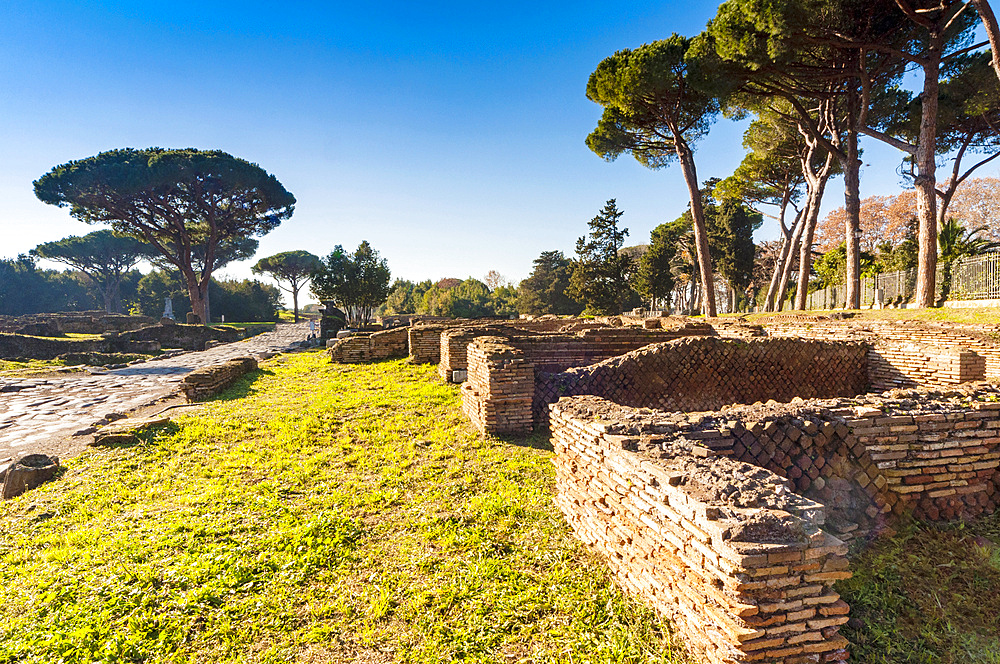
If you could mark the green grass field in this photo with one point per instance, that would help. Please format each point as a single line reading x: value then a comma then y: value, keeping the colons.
x: 320, y: 513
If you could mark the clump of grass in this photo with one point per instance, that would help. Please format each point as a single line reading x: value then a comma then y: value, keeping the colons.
x: 15, y: 368
x: 930, y: 594
x: 334, y: 514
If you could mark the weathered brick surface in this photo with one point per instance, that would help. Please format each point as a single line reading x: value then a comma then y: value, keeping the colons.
x: 209, y: 381
x: 662, y: 496
x: 497, y: 396
x: 558, y: 351
x: 906, y: 353
x: 368, y: 347
x: 705, y: 373
x: 735, y: 560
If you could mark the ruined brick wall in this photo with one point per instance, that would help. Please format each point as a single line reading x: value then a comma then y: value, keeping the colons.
x: 555, y: 352
x: 871, y: 458
x: 902, y: 364
x: 735, y: 561
x: 209, y: 381
x: 666, y: 496
x: 77, y: 322
x: 706, y: 373
x: 497, y: 395
x: 424, y: 343
x: 187, y: 337
x: 454, y: 342
x: 894, y: 344
x: 369, y: 347
x: 558, y: 352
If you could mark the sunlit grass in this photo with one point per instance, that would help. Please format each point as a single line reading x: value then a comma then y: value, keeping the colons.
x: 315, y: 513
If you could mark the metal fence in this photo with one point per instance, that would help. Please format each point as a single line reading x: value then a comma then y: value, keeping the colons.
x: 976, y: 278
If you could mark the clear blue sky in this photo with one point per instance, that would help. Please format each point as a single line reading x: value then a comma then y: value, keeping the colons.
x: 448, y: 134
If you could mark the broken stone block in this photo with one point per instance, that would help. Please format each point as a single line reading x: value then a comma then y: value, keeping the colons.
x: 28, y: 472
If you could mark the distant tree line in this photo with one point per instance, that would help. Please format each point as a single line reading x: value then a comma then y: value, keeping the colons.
x: 25, y: 288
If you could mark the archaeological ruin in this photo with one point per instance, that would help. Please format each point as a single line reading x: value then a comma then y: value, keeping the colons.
x: 723, y: 470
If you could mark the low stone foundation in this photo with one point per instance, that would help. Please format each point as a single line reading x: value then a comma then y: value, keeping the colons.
x: 368, y: 347
x: 77, y: 322
x: 209, y: 381
x: 50, y: 348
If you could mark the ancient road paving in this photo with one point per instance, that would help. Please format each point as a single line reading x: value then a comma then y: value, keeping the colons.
x: 40, y: 415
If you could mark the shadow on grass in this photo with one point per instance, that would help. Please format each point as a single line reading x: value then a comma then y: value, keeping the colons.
x: 539, y: 439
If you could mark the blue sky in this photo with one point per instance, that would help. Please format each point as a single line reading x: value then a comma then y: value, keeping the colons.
x: 449, y: 135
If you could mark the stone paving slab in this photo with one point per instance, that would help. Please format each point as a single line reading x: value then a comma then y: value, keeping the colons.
x: 40, y: 415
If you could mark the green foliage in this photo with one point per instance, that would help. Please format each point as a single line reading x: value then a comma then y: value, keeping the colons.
x: 294, y: 267
x: 730, y: 239
x: 503, y: 301
x: 600, y: 277
x: 24, y: 289
x: 244, y: 300
x: 176, y: 200
x: 655, y: 277
x: 314, y: 512
x: 238, y: 300
x: 545, y: 291
x: 357, y: 282
x: 406, y: 297
x: 831, y: 267
x: 657, y: 98
x: 103, y: 256
x: 153, y: 289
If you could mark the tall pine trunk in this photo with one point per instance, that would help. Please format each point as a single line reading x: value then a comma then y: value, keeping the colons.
x: 926, y: 181
x: 686, y: 158
x: 989, y: 20
x: 779, y: 264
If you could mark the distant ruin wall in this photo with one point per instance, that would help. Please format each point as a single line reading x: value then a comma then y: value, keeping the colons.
x: 559, y: 351
x: 76, y: 322
x: 737, y: 563
x: 908, y: 346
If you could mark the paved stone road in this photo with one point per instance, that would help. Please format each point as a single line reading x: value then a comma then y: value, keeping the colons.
x: 42, y: 414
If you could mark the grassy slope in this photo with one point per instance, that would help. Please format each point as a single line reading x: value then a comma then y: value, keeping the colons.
x: 323, y: 513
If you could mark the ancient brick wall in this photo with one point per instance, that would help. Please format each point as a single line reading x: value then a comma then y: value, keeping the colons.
x: 368, y: 347
x: 497, y: 395
x: 209, y: 381
x: 556, y: 352
x: 662, y: 496
x: 78, y: 322
x: 706, y: 373
x: 721, y: 548
x: 905, y: 346
x: 455, y: 340
x: 424, y: 343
